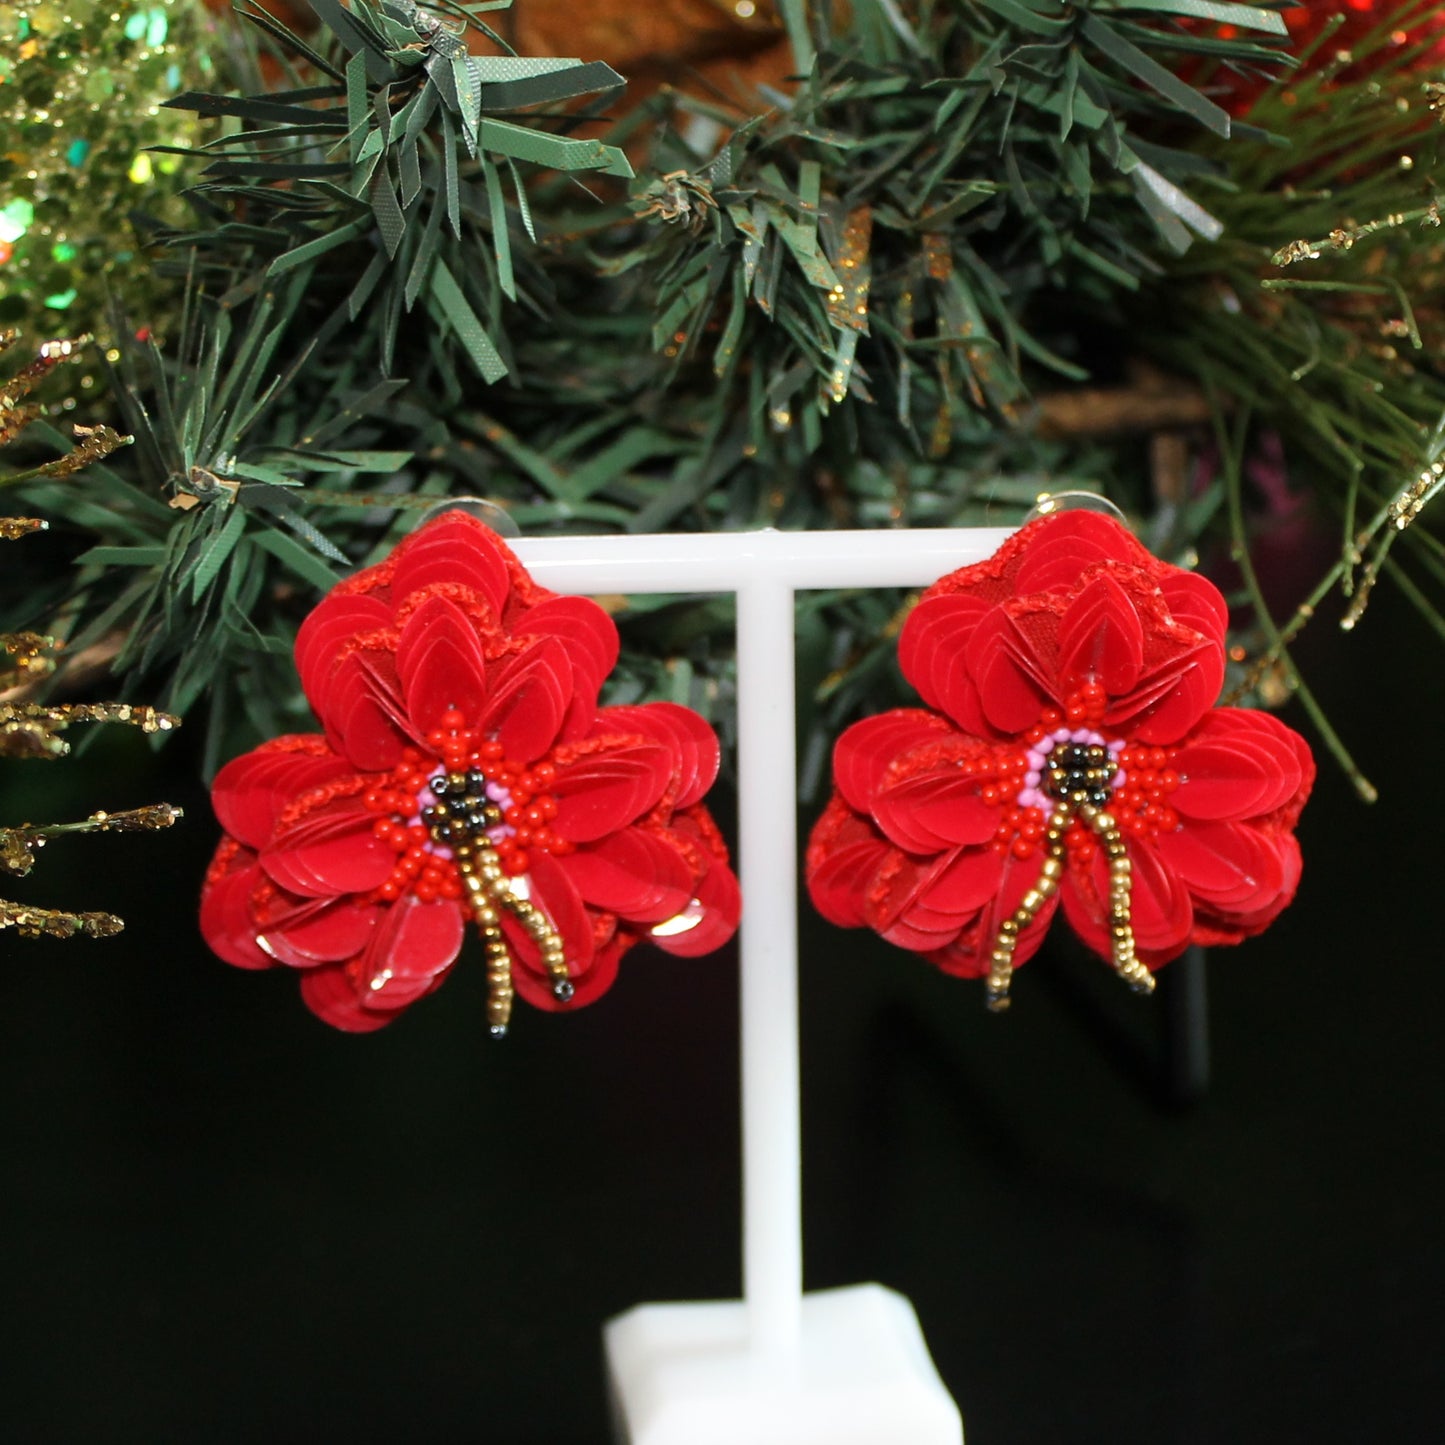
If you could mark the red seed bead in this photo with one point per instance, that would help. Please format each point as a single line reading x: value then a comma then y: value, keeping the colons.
x: 515, y: 862
x: 452, y: 720
x: 562, y: 847
x: 451, y: 887
x: 544, y: 774
x: 1024, y: 847
x: 389, y: 891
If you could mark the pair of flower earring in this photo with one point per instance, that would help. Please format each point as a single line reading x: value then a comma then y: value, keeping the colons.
x: 1068, y: 753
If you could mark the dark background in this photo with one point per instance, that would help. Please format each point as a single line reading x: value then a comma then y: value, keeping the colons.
x: 223, y: 1222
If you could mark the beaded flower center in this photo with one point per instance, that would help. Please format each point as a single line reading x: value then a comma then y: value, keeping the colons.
x: 1078, y: 791
x: 464, y: 824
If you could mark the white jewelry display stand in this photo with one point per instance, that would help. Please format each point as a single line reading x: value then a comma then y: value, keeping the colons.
x: 839, y: 1367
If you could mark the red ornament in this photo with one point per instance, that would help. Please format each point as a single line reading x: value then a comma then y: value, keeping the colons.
x: 1069, y: 750
x: 1357, y: 20
x: 466, y: 774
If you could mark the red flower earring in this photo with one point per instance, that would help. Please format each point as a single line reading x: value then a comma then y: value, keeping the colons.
x: 466, y: 773
x: 1069, y: 751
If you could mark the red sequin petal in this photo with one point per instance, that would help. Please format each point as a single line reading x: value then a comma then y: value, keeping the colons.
x: 1010, y: 670
x: 528, y: 700
x: 1230, y: 867
x: 687, y: 736
x: 251, y: 791
x: 1053, y: 553
x: 439, y: 664
x: 864, y: 754
x: 931, y: 654
x: 935, y: 810
x: 716, y: 905
x: 331, y: 995
x: 336, y: 620
x: 603, y: 792
x: 584, y: 629
x: 331, y: 852
x: 227, y: 923
x: 412, y: 948
x: 1101, y: 637
x: 1196, y: 602
x: 636, y: 874
x: 1238, y: 764
x: 453, y: 550
x: 320, y: 932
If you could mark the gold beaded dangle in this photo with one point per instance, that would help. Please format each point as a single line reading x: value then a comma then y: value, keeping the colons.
x: 1001, y: 962
x: 1079, y: 779
x: 459, y: 820
x: 1121, y: 930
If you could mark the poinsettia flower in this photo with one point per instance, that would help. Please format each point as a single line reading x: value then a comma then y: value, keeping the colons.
x: 465, y: 775
x: 1069, y: 755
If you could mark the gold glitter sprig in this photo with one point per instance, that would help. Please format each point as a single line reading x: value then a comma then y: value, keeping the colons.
x: 1346, y: 237
x: 93, y: 443
x: 12, y: 529
x: 19, y: 845
x: 56, y: 923
x: 30, y: 729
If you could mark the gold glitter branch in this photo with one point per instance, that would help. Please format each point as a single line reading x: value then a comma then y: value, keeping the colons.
x: 19, y: 845
x: 30, y: 729
x: 1344, y: 238
x: 55, y: 923
x: 12, y: 529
